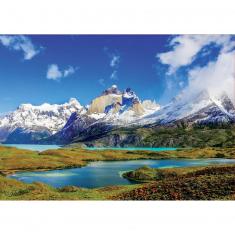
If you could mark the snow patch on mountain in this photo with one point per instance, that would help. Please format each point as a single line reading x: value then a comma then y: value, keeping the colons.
x: 45, y: 117
x: 200, y: 106
x: 120, y: 108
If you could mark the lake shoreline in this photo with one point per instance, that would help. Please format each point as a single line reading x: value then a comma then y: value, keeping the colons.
x: 12, y: 172
x: 217, y: 180
x: 18, y: 160
x: 88, y: 162
x: 108, y: 172
x: 33, y: 147
x: 82, y: 157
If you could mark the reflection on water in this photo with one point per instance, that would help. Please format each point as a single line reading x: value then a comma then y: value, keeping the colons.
x: 99, y: 174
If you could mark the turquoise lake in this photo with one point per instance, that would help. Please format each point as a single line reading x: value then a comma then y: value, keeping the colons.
x: 130, y: 148
x: 35, y: 147
x: 99, y: 174
x: 38, y: 147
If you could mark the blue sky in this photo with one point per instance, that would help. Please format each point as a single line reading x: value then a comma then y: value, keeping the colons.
x: 52, y: 68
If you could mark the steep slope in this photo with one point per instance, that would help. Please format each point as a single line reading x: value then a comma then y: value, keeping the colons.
x: 103, y: 103
x: 202, y: 120
x: 110, y: 110
x: 118, y: 118
x: 199, y: 108
x: 29, y: 124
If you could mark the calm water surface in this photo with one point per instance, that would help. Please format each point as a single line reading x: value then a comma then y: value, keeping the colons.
x: 35, y: 147
x: 130, y: 148
x: 99, y: 174
x: 38, y: 147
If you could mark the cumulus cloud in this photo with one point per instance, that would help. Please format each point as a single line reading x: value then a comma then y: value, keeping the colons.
x: 20, y: 43
x: 55, y: 73
x: 217, y: 77
x: 181, y: 84
x: 184, y: 49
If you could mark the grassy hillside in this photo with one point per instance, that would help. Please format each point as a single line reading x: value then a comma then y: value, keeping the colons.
x: 205, y: 183
x: 199, y: 183
x: 172, y: 136
x: 13, y: 159
x: 185, y: 184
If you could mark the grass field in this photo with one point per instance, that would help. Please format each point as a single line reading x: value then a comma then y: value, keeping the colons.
x: 13, y: 159
x: 204, y: 183
x: 197, y: 183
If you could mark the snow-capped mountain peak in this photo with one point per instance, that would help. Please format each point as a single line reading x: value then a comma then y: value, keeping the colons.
x: 118, y: 107
x: 48, y: 118
x: 199, y: 107
x: 111, y: 109
x: 112, y: 90
x: 74, y: 102
x: 46, y: 107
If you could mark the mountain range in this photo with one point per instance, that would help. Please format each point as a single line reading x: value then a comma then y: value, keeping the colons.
x: 108, y: 115
x: 29, y: 124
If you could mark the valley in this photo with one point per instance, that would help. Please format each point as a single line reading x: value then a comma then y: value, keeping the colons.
x: 96, y: 156
x: 219, y: 178
x: 120, y: 118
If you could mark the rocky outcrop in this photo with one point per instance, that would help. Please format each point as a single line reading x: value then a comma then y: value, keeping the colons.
x: 114, y: 101
x: 100, y: 104
x: 111, y: 109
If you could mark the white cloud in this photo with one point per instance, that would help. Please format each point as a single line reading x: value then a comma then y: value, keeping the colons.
x: 114, y: 63
x: 55, y: 73
x: 20, y: 43
x: 181, y: 84
x: 114, y: 75
x: 217, y: 77
x: 101, y: 82
x: 186, y: 47
x: 69, y: 71
x: 115, y: 60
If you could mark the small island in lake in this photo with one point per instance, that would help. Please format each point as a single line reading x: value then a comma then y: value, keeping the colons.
x: 117, y: 117
x: 209, y: 178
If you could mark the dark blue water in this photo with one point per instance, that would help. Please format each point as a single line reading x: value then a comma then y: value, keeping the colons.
x: 99, y: 174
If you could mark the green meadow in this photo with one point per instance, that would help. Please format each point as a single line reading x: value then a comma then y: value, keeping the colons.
x: 191, y: 183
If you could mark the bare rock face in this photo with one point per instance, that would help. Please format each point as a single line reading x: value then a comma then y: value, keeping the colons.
x: 64, y: 123
x: 112, y: 90
x: 99, y: 104
x: 138, y: 108
x: 113, y: 119
x: 111, y: 109
x: 114, y: 101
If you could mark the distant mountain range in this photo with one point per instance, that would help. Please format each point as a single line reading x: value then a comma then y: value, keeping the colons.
x: 113, y: 110
x: 199, y: 108
x: 29, y: 124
